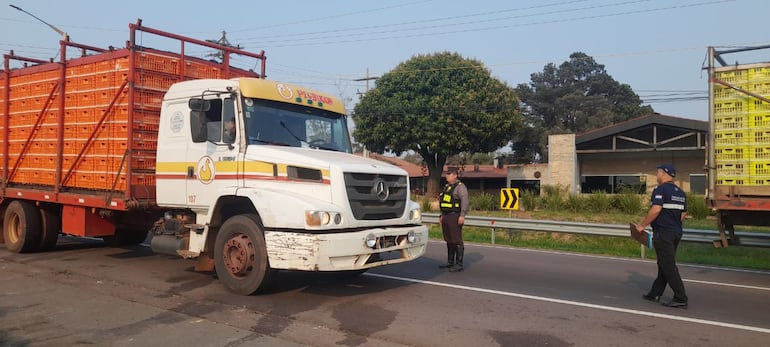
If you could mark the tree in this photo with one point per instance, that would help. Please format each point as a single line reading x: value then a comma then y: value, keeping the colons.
x: 576, y: 97
x: 437, y: 105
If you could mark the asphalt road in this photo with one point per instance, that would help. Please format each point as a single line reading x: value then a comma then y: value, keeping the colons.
x: 87, y: 294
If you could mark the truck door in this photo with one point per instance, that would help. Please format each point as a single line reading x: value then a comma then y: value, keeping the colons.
x: 214, y: 158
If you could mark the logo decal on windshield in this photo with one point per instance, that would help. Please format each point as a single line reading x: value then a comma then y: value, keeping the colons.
x: 285, y: 91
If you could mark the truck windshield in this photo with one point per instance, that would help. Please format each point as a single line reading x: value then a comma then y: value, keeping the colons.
x: 276, y: 123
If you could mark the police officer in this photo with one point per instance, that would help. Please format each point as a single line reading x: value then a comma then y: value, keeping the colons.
x: 453, y: 203
x: 666, y: 215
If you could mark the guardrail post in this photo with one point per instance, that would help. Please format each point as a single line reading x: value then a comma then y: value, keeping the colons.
x: 493, y: 236
x: 641, y: 247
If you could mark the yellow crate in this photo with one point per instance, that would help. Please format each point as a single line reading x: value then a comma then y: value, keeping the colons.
x: 760, y: 181
x: 759, y: 153
x: 723, y: 93
x: 731, y: 122
x: 757, y: 87
x: 727, y: 169
x: 757, y: 105
x: 759, y: 119
x: 732, y: 181
x: 759, y: 168
x: 760, y: 137
x: 732, y: 76
x: 758, y: 73
x: 732, y: 153
x: 727, y: 139
x: 731, y: 107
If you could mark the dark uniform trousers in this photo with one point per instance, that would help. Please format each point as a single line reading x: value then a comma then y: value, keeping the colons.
x: 666, y: 243
x: 453, y: 236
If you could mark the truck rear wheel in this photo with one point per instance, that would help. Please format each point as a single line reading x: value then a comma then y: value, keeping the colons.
x: 22, y: 227
x: 240, y: 255
x: 51, y: 221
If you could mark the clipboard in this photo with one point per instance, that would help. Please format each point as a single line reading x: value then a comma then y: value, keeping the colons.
x: 644, y: 238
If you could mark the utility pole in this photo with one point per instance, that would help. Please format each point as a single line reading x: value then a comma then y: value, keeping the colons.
x: 367, y: 79
x: 220, y: 54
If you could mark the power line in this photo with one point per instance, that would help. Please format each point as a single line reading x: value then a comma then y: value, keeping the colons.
x: 422, y: 21
x: 563, y: 20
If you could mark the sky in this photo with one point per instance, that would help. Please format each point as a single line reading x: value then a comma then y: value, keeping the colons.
x: 658, y: 47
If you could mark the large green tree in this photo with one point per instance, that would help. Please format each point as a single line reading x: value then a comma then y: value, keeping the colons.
x: 438, y: 105
x: 577, y: 96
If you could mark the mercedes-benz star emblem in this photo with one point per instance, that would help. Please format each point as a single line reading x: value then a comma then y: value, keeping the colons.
x: 381, y: 190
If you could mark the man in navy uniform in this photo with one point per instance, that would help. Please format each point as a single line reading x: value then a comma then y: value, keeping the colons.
x: 665, y: 216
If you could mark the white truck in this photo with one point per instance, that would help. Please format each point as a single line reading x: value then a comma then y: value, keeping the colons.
x: 246, y: 175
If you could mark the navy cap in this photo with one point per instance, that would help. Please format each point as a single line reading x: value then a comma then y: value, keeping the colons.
x: 668, y: 169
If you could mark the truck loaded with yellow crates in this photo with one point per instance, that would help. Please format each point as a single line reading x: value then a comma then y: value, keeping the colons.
x: 738, y: 159
x: 245, y: 175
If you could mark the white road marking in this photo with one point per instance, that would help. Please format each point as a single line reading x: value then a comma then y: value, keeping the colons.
x: 579, y: 304
x: 727, y: 284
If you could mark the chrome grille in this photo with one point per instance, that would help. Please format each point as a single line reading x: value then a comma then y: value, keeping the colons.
x: 375, y: 196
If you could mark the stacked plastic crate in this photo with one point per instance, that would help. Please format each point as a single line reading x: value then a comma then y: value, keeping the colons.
x: 742, y: 125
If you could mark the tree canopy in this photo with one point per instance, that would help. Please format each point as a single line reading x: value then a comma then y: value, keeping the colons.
x: 575, y: 97
x: 437, y: 105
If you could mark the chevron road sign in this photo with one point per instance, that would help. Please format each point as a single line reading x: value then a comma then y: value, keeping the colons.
x: 509, y: 198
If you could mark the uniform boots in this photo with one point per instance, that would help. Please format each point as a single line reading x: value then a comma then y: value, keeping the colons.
x: 459, y: 262
x: 451, y: 250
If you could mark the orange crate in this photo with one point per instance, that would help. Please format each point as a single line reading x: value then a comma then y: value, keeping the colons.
x: 148, y: 99
x: 143, y: 179
x: 154, y: 81
x: 143, y: 163
x: 157, y: 63
x: 201, y: 70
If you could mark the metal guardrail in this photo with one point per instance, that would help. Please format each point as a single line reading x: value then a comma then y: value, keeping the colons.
x: 619, y: 230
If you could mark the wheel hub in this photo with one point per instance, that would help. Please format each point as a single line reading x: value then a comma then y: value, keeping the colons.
x: 239, y: 255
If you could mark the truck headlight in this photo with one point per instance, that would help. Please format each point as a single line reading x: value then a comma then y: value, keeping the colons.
x: 415, y: 215
x: 317, y: 218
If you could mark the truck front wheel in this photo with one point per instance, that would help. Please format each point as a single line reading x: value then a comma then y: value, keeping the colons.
x: 240, y: 255
x: 22, y: 226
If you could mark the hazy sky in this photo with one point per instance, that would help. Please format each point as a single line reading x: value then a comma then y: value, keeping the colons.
x: 658, y: 47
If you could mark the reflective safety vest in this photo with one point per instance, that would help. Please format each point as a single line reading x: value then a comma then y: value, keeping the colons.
x: 447, y: 202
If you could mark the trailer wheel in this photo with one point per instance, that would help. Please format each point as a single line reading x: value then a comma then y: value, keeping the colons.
x: 240, y: 255
x: 22, y: 227
x: 51, y: 220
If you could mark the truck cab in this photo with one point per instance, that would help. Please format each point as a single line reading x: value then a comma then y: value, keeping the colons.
x: 267, y: 177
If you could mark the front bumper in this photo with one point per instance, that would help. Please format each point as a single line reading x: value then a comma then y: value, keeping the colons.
x: 344, y: 251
